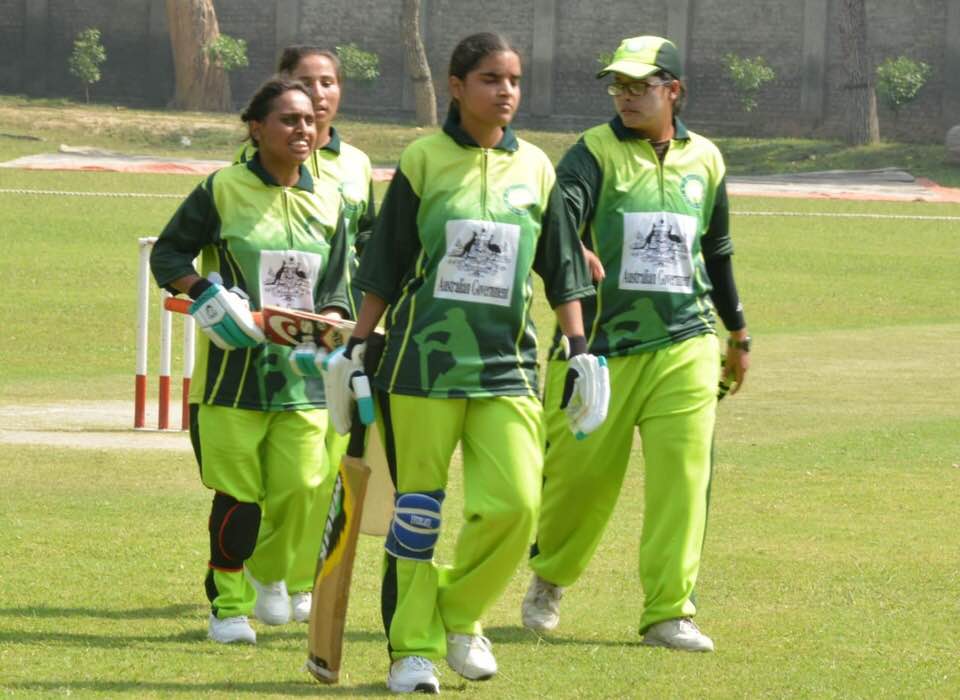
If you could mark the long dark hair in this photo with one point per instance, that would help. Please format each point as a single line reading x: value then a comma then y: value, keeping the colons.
x: 292, y: 55
x: 261, y: 103
x: 473, y: 49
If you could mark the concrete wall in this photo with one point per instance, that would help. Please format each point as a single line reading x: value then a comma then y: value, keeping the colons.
x: 559, y: 41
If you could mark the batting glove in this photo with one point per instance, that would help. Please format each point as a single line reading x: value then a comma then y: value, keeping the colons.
x: 224, y: 315
x: 586, y: 391
x: 346, y: 385
x: 306, y: 360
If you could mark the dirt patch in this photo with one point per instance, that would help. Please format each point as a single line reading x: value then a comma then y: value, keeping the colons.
x: 84, y: 425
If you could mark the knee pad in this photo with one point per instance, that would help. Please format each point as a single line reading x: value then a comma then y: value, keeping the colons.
x: 416, y: 526
x: 233, y: 532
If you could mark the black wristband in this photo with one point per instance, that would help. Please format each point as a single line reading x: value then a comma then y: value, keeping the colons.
x: 578, y: 345
x: 198, y: 288
x: 351, y: 344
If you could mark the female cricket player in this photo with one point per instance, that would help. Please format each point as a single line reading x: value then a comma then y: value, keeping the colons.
x: 342, y: 181
x: 258, y: 428
x: 470, y: 213
x: 650, y: 199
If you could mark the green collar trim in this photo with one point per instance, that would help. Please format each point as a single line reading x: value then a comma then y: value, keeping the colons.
x: 256, y: 167
x: 333, y: 144
x: 453, y: 129
x: 625, y: 134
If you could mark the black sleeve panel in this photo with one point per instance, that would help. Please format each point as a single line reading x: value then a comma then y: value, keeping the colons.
x: 724, y: 293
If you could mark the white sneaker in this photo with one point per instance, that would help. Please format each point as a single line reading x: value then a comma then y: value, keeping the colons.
x: 273, y: 603
x: 541, y: 605
x: 680, y: 633
x: 301, y: 603
x: 413, y: 674
x: 470, y: 655
x: 231, y: 629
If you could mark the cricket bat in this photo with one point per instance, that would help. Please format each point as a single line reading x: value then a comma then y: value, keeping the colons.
x: 287, y: 326
x: 291, y: 327
x: 331, y: 590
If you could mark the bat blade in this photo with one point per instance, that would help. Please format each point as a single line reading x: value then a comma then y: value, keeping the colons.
x: 378, y: 503
x: 331, y: 592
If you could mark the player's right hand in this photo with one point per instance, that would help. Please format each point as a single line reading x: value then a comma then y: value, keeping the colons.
x: 224, y: 315
x: 586, y: 393
x: 306, y: 360
x: 345, y: 384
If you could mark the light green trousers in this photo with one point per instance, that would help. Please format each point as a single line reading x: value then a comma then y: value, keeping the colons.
x: 502, y: 441
x: 670, y: 396
x: 280, y: 461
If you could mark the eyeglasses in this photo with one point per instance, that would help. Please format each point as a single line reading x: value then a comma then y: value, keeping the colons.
x: 638, y: 88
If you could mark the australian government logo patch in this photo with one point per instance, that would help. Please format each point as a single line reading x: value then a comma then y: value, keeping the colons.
x: 694, y: 189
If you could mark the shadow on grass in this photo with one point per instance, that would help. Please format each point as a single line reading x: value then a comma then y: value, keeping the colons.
x: 171, y: 611
x: 518, y: 634
x: 137, y: 688
x: 266, y: 637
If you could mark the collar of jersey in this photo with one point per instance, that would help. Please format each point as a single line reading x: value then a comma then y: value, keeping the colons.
x: 453, y: 129
x: 333, y: 144
x: 256, y: 167
x: 625, y: 134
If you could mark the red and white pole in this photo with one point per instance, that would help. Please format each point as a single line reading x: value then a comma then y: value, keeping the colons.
x: 166, y: 346
x: 189, y: 345
x: 143, y: 314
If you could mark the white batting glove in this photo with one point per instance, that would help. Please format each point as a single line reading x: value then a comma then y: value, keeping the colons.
x: 345, y: 384
x: 586, y: 393
x: 306, y: 360
x: 224, y: 315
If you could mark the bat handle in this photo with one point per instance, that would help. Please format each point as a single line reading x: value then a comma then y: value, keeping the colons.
x: 179, y: 305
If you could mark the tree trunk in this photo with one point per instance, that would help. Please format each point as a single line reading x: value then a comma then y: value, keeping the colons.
x: 201, y: 83
x: 424, y: 97
x: 862, y: 124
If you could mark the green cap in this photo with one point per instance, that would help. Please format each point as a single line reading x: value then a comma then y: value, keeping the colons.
x: 641, y: 56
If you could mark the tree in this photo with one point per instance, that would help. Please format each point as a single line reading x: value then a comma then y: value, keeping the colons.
x: 900, y: 79
x: 424, y: 96
x: 358, y: 65
x: 201, y: 81
x: 228, y: 53
x: 747, y: 75
x: 84, y: 62
x: 862, y: 124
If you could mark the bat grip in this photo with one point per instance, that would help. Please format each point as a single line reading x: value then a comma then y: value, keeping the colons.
x: 179, y: 305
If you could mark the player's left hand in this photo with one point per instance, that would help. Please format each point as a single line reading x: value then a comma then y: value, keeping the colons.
x: 737, y: 361
x: 586, y: 391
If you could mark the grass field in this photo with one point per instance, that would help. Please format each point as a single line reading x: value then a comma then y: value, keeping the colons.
x: 831, y: 564
x: 48, y: 123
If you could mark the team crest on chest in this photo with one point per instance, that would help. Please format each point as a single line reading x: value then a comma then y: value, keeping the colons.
x: 352, y: 193
x: 693, y: 188
x: 519, y: 199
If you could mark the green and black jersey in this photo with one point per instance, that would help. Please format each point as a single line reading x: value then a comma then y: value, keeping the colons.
x: 282, y: 247
x: 652, y: 224
x: 343, y: 182
x: 458, y: 234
